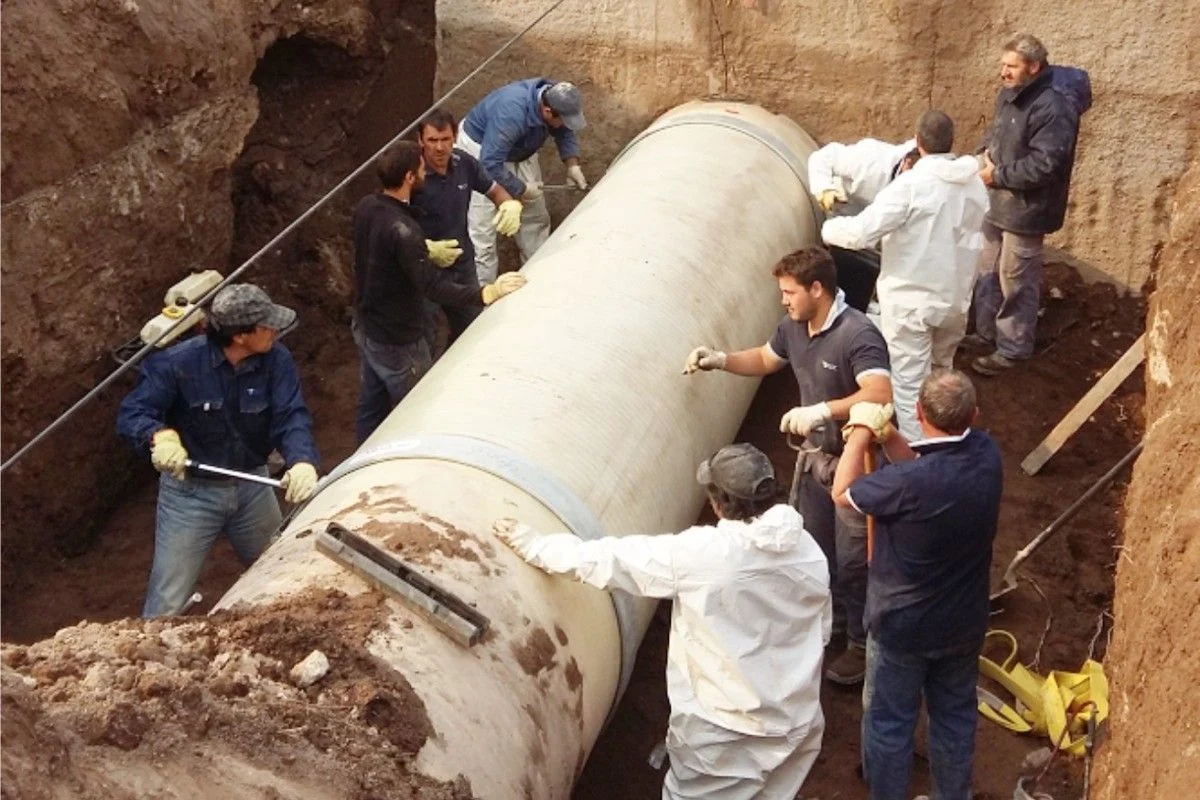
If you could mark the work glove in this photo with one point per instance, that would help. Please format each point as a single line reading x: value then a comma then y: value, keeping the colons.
x: 518, y: 536
x: 168, y: 454
x: 533, y: 191
x: 507, y: 283
x: 802, y: 419
x: 508, y: 217
x: 704, y: 358
x: 575, y: 176
x: 443, y: 252
x: 299, y: 482
x: 827, y: 198
x: 875, y: 417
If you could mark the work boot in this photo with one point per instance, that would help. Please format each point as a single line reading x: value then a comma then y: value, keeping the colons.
x: 992, y: 365
x: 850, y: 667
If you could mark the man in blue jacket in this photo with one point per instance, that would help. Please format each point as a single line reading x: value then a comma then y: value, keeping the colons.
x: 504, y: 131
x: 1029, y: 152
x: 226, y: 399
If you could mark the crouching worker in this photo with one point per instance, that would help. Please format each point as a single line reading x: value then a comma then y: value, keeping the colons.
x: 936, y: 507
x: 751, y: 617
x: 226, y: 399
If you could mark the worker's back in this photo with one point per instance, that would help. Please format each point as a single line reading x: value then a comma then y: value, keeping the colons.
x: 751, y: 618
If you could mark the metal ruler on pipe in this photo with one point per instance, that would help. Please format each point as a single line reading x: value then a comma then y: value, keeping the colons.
x: 448, y: 612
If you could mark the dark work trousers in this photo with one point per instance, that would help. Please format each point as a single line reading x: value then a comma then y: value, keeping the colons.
x: 459, y: 317
x: 840, y: 532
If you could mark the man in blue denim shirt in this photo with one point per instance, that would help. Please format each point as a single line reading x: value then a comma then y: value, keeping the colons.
x: 936, y: 508
x: 504, y: 131
x: 226, y: 399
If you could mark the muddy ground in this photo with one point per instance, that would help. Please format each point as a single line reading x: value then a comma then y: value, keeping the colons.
x: 1083, y: 331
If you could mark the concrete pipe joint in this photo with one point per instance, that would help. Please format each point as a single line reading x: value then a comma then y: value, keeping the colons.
x: 563, y: 406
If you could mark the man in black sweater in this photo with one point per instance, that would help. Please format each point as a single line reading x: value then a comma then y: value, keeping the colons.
x: 393, y: 276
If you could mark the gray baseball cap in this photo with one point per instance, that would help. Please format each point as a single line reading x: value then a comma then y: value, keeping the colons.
x: 566, y: 101
x: 741, y: 470
x: 245, y: 304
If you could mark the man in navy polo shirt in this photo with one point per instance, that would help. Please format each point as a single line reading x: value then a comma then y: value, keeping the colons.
x: 936, y: 508
x: 839, y: 359
x: 450, y: 177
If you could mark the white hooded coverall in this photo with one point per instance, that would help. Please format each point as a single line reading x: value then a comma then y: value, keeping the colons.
x: 857, y: 172
x: 929, y: 219
x: 749, y: 625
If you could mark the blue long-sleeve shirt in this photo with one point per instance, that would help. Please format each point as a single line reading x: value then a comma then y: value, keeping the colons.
x: 509, y: 128
x: 226, y: 416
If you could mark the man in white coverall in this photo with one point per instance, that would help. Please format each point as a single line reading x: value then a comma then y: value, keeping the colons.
x: 751, y: 618
x: 929, y: 219
x: 855, y: 173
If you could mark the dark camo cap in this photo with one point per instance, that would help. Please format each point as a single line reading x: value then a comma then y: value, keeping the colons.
x: 566, y: 101
x: 741, y: 470
x: 245, y: 304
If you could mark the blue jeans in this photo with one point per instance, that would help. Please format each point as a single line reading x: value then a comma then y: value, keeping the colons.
x: 191, y: 514
x: 1008, y: 291
x: 388, y: 373
x: 892, y: 693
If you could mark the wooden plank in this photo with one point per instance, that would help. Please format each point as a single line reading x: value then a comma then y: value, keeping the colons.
x: 1086, y: 406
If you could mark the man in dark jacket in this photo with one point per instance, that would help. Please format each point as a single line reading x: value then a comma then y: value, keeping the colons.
x: 393, y: 277
x: 1028, y: 154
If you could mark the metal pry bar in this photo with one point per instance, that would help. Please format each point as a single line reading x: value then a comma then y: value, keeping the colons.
x: 448, y: 612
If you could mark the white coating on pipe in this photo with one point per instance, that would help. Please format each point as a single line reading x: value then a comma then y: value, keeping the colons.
x: 577, y: 376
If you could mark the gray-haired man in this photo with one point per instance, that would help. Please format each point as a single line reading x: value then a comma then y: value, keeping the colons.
x: 1029, y: 152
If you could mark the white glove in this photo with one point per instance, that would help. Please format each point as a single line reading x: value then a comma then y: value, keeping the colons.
x: 518, y: 536
x: 575, y: 176
x: 802, y: 419
x: 704, y: 358
x: 533, y: 191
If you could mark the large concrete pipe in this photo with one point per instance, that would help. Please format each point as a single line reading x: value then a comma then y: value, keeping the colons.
x: 564, y: 406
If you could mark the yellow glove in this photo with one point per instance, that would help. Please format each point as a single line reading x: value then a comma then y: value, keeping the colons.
x: 168, y: 454
x: 873, y: 416
x: 507, y: 283
x: 827, y: 198
x: 443, y: 252
x: 299, y: 482
x: 508, y: 217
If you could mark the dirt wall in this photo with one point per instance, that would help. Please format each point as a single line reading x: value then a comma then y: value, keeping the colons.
x: 145, y: 140
x: 847, y: 70
x: 1153, y: 662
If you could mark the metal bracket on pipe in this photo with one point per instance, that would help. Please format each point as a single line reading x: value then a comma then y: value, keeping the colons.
x: 530, y: 478
x: 448, y: 612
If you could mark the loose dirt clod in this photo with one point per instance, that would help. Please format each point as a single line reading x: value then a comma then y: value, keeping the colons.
x: 213, y: 698
x: 536, y: 653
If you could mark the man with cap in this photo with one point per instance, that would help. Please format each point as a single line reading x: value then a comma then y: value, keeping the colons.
x: 225, y: 399
x: 749, y: 623
x: 839, y: 358
x: 504, y: 131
